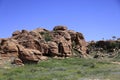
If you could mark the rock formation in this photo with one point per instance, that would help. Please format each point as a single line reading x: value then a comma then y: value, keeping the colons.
x: 104, y: 48
x: 39, y: 44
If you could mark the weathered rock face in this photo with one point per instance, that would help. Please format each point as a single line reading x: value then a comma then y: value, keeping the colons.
x: 29, y: 55
x: 33, y: 46
x: 72, y: 34
x: 8, y: 48
x: 65, y: 47
x: 53, y: 48
x: 9, y: 51
x: 63, y: 39
x: 28, y: 39
x: 80, y: 43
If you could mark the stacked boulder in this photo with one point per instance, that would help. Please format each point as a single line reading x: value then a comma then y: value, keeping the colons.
x: 39, y: 44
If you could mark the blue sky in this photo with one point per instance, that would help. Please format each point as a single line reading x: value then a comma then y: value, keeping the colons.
x: 96, y: 19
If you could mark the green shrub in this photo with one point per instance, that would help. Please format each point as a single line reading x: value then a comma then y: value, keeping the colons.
x: 65, y: 69
x: 108, y: 45
x: 46, y: 36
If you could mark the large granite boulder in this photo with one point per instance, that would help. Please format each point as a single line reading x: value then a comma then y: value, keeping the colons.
x: 29, y: 55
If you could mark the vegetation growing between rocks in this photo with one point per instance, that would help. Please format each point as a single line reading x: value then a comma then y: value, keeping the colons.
x: 46, y: 36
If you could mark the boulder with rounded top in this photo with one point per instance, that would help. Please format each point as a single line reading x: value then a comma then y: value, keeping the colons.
x: 60, y: 28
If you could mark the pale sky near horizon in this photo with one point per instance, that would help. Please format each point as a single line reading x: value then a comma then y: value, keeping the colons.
x: 96, y: 19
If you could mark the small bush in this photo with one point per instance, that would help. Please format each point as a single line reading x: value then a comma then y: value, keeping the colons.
x: 46, y: 36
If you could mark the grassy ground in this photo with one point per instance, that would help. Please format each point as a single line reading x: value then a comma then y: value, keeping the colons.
x: 66, y: 69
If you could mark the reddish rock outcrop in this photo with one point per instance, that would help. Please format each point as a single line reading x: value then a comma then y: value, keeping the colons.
x: 33, y: 46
